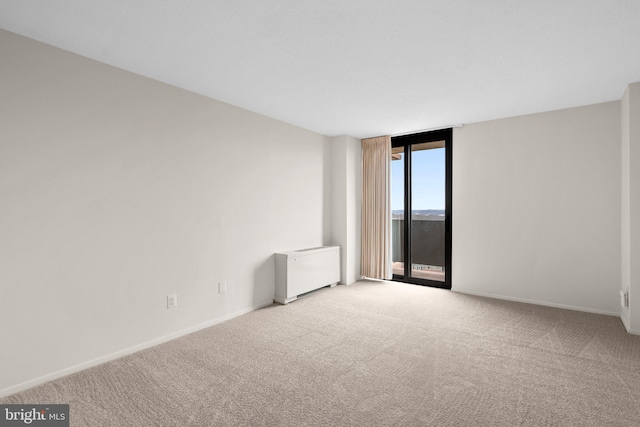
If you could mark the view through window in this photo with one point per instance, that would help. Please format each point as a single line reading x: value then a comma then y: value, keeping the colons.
x: 425, y: 187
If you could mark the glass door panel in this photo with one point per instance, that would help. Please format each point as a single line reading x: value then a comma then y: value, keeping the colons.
x: 428, y: 211
x: 421, y: 208
x: 397, y: 211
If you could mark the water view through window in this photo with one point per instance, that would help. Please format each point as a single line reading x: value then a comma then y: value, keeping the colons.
x: 427, y: 203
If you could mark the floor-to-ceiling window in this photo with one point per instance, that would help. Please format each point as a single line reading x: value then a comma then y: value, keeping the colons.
x: 421, y: 208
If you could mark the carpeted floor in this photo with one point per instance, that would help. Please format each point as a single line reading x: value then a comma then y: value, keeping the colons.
x: 373, y: 353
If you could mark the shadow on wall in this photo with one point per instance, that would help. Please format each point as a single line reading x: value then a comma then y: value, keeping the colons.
x: 264, y: 281
x: 326, y: 192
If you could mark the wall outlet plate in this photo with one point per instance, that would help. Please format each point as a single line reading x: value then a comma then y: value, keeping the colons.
x: 624, y: 299
x: 172, y: 301
x: 222, y: 287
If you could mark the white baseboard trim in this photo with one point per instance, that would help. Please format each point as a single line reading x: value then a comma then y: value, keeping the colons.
x: 627, y: 326
x: 103, y: 359
x: 536, y: 302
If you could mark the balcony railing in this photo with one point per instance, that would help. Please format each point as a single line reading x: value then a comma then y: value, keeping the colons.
x: 427, y: 246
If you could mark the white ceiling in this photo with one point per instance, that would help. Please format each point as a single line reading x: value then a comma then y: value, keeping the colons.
x: 358, y: 67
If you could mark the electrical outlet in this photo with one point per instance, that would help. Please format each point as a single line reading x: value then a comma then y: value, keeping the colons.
x: 172, y: 301
x: 222, y: 287
x: 624, y: 299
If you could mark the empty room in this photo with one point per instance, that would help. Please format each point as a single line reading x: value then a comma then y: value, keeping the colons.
x: 300, y: 213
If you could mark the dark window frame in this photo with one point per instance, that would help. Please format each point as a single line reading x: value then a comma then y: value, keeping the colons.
x: 406, y: 141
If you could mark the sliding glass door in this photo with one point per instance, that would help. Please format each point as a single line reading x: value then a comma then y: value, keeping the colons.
x: 421, y: 208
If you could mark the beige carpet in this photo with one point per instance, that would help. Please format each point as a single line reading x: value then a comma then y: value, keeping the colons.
x: 373, y: 353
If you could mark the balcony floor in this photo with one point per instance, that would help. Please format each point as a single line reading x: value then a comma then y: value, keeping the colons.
x: 398, y: 268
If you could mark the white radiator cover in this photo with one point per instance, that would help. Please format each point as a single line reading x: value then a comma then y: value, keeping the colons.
x: 305, y: 270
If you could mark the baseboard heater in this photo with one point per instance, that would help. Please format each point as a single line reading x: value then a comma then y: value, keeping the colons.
x: 305, y: 270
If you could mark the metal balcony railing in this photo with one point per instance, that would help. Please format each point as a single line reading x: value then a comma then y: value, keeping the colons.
x: 427, y: 244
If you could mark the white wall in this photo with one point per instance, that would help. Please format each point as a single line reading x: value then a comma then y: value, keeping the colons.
x: 625, y: 228
x: 630, y: 228
x: 346, y: 204
x: 117, y: 190
x: 536, y: 208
